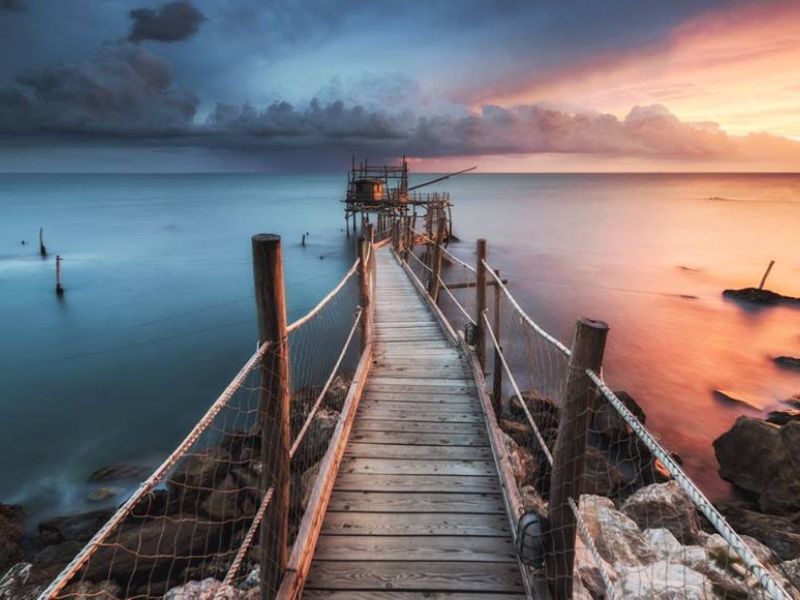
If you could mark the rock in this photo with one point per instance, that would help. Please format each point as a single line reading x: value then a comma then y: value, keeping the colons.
x: 793, y: 401
x: 19, y: 583
x: 662, y: 580
x: 75, y: 528
x: 543, y: 410
x: 102, y: 493
x: 532, y: 500
x: 52, y: 559
x: 337, y: 392
x: 791, y: 569
x: 763, y: 458
x: 153, y: 548
x: 782, y: 417
x: 319, y: 434
x: 520, y: 432
x: 759, y: 296
x: 607, y: 422
x: 11, y: 533
x: 523, y: 463
x: 662, y: 542
x: 780, y: 534
x: 84, y: 590
x: 600, y: 477
x: 201, y: 471
x: 307, y: 481
x: 664, y: 505
x: 120, y: 472
x: 208, y: 589
x: 791, y: 362
x: 728, y: 397
x: 225, y: 503
x: 591, y: 579
x: 616, y: 536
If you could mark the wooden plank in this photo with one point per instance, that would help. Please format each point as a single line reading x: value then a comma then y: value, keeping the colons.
x: 429, y: 502
x: 388, y: 466
x: 413, y: 382
x: 366, y: 450
x: 456, y: 388
x: 414, y: 483
x: 411, y: 438
x: 423, y: 576
x: 415, y: 523
x: 376, y: 595
x: 420, y: 373
x: 442, y: 428
x: 427, y: 416
x: 465, y: 406
x: 425, y: 398
x: 435, y: 548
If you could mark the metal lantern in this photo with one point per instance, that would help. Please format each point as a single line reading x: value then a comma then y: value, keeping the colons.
x: 532, y: 539
x: 470, y: 333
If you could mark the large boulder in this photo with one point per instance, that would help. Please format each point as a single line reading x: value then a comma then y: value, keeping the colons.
x: 20, y: 583
x: 11, y: 532
x: 148, y: 550
x: 764, y: 459
x: 200, y: 472
x: 616, y: 536
x: 518, y: 431
x: 84, y: 590
x: 780, y: 534
x: 532, y: 500
x: 607, y: 422
x: 228, y: 503
x: 543, y: 410
x: 664, y: 505
x: 73, y: 528
x: 663, y: 580
x: 52, y: 559
x: 318, y: 435
x: 337, y: 391
x: 600, y: 476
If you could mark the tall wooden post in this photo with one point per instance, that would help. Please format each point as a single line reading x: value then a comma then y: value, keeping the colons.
x: 436, y: 272
x: 408, y: 244
x: 480, y: 287
x: 497, y: 371
x: 364, y: 288
x: 370, y: 233
x: 42, y: 248
x: 274, y: 406
x: 59, y: 289
x: 566, y: 480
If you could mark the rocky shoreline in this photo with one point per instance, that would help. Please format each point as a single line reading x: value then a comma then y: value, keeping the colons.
x: 222, y: 511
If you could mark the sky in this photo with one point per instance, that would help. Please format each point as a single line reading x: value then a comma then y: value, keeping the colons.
x: 290, y: 85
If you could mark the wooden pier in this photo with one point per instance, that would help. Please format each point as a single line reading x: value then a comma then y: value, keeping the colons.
x: 416, y: 506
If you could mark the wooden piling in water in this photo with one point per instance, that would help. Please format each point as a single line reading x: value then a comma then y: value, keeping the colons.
x: 42, y: 248
x: 274, y: 407
x: 480, y: 277
x: 566, y: 479
x: 59, y: 289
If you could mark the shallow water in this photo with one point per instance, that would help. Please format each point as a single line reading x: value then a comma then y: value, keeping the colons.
x: 158, y: 314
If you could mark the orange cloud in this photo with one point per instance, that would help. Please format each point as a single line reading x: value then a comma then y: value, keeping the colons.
x: 736, y: 67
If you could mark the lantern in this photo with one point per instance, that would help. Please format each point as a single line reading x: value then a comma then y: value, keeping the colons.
x: 533, y: 539
x: 470, y: 334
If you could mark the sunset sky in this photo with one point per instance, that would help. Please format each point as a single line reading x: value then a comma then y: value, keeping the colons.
x: 255, y: 85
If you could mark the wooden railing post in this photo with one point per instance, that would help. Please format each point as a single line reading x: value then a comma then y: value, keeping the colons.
x: 566, y: 480
x: 497, y: 371
x: 364, y: 287
x: 436, y: 272
x: 274, y: 406
x: 480, y: 283
x: 408, y: 243
x: 370, y: 234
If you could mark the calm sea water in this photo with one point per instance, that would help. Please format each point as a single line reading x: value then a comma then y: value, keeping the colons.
x: 158, y: 314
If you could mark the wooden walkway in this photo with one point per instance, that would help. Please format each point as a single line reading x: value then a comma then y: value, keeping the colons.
x: 416, y: 509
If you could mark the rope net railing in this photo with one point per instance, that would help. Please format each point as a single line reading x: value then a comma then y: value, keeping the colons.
x: 623, y: 520
x: 195, y: 528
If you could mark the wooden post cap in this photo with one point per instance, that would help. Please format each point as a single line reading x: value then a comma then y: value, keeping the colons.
x: 266, y: 238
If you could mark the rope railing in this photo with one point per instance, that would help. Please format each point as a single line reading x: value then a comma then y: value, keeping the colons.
x: 631, y: 484
x: 195, y: 521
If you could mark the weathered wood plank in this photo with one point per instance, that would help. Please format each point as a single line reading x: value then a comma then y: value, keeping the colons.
x: 413, y: 415
x: 388, y: 466
x: 421, y: 388
x: 415, y: 523
x: 462, y: 407
x: 376, y: 595
x: 365, y: 450
x: 442, y: 428
x: 424, y: 576
x: 430, y: 502
x: 411, y: 438
x: 439, y: 547
x: 414, y: 483
x: 426, y: 383
x: 426, y: 398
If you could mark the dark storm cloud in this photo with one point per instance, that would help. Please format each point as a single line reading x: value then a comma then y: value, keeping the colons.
x: 170, y: 23
x: 123, y: 91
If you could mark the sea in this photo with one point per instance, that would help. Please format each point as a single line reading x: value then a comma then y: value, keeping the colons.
x: 158, y: 311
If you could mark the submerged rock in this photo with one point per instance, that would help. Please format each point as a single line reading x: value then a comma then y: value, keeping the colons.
x: 11, y: 533
x: 759, y: 296
x: 119, y: 472
x: 102, y: 493
x: 782, y: 417
x: 337, y: 392
x: 791, y: 362
x: 73, y: 528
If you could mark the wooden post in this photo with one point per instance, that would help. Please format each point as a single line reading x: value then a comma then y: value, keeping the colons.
x: 42, y: 249
x: 497, y: 371
x: 364, y: 288
x: 274, y: 406
x: 436, y: 273
x: 408, y: 245
x: 480, y: 281
x: 566, y: 479
x: 766, y: 274
x: 59, y: 289
x: 370, y: 233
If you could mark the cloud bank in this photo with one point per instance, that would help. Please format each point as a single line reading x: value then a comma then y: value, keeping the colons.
x: 172, y: 22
